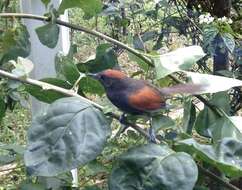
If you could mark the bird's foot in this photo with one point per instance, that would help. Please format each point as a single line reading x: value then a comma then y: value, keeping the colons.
x: 152, y: 137
x: 123, y: 127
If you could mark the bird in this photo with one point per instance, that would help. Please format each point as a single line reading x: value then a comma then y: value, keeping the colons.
x: 135, y: 96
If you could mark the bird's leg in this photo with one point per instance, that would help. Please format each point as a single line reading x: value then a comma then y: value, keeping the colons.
x: 152, y: 137
x: 123, y: 127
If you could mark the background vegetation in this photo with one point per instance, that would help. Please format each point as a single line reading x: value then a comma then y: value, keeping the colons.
x: 199, y: 137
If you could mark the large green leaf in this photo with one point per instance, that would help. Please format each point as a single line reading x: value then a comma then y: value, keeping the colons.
x: 90, y: 7
x: 162, y: 122
x: 105, y: 59
x: 229, y: 41
x: 66, y: 68
x: 178, y: 60
x: 206, y: 118
x: 226, y: 155
x: 152, y: 167
x: 46, y: 95
x: 70, y: 134
x: 14, y: 43
x: 226, y: 127
x: 48, y: 34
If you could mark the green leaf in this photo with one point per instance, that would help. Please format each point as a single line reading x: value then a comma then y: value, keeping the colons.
x: 6, y: 159
x: 2, y: 108
x: 229, y: 41
x: 209, y: 34
x: 28, y: 185
x: 189, y: 116
x: 15, y: 148
x: 46, y: 2
x: 154, y: 166
x: 93, y: 187
x: 70, y: 134
x: 46, y: 95
x: 48, y: 34
x: 90, y: 85
x: 93, y: 168
x: 58, y: 182
x: 206, y: 118
x: 178, y: 60
x: 90, y: 7
x: 142, y: 64
x: 226, y: 127
x: 14, y: 43
x: 226, y: 155
x: 66, y: 68
x: 162, y: 122
x: 105, y: 59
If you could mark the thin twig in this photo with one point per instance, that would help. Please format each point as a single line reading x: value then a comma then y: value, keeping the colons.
x: 217, y: 178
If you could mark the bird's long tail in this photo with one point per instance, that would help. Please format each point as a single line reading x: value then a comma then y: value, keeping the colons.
x: 188, y: 88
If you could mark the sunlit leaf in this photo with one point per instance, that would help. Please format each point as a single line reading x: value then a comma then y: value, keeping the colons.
x: 46, y: 2
x: 48, y: 34
x: 70, y: 134
x: 90, y: 7
x: 154, y: 166
x: 212, y: 83
x: 180, y: 59
x: 226, y: 155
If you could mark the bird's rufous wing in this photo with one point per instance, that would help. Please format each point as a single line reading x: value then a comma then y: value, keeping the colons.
x: 146, y: 99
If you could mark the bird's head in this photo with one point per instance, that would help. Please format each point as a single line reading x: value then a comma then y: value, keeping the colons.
x: 109, y: 78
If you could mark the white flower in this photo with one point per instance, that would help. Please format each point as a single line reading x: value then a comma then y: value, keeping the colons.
x: 220, y: 19
x: 210, y: 19
x: 224, y: 19
x: 230, y: 21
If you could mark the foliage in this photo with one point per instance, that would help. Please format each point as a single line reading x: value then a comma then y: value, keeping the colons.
x: 73, y: 133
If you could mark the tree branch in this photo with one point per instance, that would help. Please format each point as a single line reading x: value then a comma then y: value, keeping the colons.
x: 217, y: 178
x: 83, y: 29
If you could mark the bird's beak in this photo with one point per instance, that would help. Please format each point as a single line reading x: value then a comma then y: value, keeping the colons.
x: 95, y: 76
